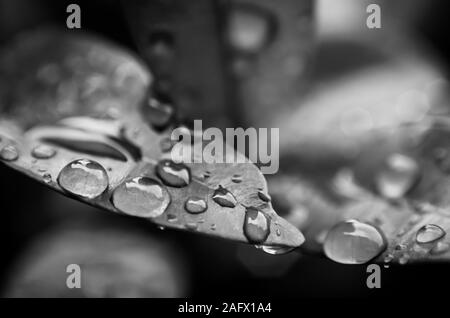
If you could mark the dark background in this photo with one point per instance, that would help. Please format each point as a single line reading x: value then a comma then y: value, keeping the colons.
x: 213, y: 267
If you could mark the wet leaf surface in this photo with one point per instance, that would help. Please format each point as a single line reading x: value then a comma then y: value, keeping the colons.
x: 83, y: 98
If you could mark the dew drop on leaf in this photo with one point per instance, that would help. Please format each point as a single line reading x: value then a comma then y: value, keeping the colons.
x: 84, y: 178
x: 353, y: 242
x: 256, y: 226
x: 9, y: 153
x: 397, y: 177
x: 224, y: 198
x: 263, y: 196
x: 236, y: 178
x: 429, y: 233
x: 173, y: 174
x: 43, y: 152
x: 195, y: 205
x: 191, y: 226
x: 172, y: 218
x: 275, y: 250
x: 47, y: 177
x: 142, y: 197
x: 158, y: 114
x: 440, y: 248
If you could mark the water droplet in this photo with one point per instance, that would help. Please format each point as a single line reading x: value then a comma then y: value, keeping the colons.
x: 172, y: 218
x: 278, y: 232
x: 173, y: 174
x: 388, y: 258
x: 404, y: 259
x: 275, y: 250
x: 9, y: 153
x: 141, y: 196
x: 195, y: 205
x: 440, y: 248
x: 43, y: 152
x: 397, y: 177
x: 224, y: 198
x: 353, y: 242
x: 263, y: 196
x: 236, y: 178
x: 47, y: 177
x: 159, y: 114
x: 213, y: 227
x: 256, y: 226
x: 191, y: 226
x: 84, y: 178
x: 161, y: 228
x: 400, y: 247
x: 429, y: 233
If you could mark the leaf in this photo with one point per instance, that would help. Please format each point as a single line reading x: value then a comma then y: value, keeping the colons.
x: 356, y: 195
x: 84, y: 101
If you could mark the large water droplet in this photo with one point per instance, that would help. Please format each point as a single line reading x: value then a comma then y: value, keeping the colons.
x: 256, y: 226
x: 429, y: 233
x: 440, y: 248
x: 84, y: 178
x: 397, y: 177
x: 353, y: 242
x: 141, y: 196
x: 43, y: 152
x: 195, y: 205
x: 173, y: 174
x: 9, y: 153
x: 275, y: 250
x: 223, y: 197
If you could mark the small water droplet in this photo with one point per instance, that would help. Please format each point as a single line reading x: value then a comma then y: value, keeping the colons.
x: 191, y: 226
x: 195, y: 205
x: 84, y: 178
x: 400, y: 247
x: 404, y: 259
x: 398, y: 176
x: 256, y: 226
x: 275, y: 250
x: 43, y: 152
x: 173, y: 174
x: 429, y: 233
x: 224, y: 198
x: 236, y: 178
x: 161, y: 228
x: 47, y: 177
x: 388, y: 258
x: 9, y: 153
x: 159, y: 114
x: 172, y: 218
x: 353, y: 242
x: 213, y: 227
x: 141, y: 196
x: 278, y: 232
x: 440, y: 248
x: 263, y: 196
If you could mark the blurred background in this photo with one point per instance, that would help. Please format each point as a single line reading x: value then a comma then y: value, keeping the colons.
x: 44, y: 231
